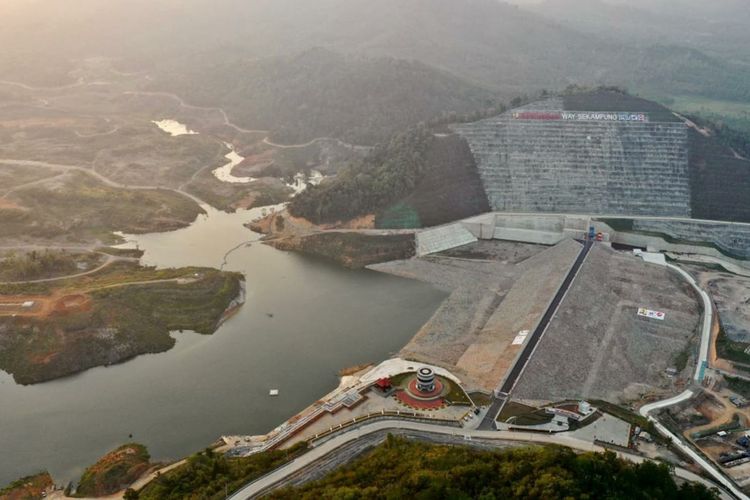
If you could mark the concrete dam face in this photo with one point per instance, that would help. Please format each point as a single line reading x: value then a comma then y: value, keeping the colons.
x: 544, y: 158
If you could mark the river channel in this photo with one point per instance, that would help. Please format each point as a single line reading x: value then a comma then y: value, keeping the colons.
x: 303, y: 320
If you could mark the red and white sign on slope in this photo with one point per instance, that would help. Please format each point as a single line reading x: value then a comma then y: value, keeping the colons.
x: 648, y: 313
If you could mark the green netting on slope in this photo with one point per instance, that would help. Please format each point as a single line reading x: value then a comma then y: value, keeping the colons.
x: 398, y: 216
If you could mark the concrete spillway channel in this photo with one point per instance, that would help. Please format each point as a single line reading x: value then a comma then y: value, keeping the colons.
x: 515, y: 372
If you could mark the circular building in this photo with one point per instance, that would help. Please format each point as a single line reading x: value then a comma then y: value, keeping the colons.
x: 426, y: 380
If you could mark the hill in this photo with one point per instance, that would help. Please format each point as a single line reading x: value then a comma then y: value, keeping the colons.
x: 319, y: 93
x: 686, y: 23
x: 495, y: 44
x: 612, y: 153
x: 36, y: 486
x: 415, y: 179
x: 401, y: 468
x: 114, y: 471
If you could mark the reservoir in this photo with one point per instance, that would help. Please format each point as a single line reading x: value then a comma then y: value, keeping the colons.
x: 303, y: 320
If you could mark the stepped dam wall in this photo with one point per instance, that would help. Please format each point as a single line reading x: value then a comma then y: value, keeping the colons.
x: 540, y: 158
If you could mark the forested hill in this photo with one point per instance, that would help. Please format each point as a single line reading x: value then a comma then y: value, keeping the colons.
x: 319, y: 93
x: 400, y: 468
x: 415, y: 179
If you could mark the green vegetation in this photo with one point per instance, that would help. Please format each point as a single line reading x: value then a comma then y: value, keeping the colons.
x: 402, y: 468
x: 456, y: 395
x: 229, y: 197
x: 209, y: 476
x: 116, y: 274
x: 522, y: 414
x: 730, y: 426
x: 35, y: 265
x: 738, y: 385
x: 682, y: 358
x: 27, y: 488
x: 480, y: 398
x: 738, y: 140
x: 399, y: 216
x: 733, y: 114
x: 728, y: 349
x: 414, y: 180
x: 114, y: 471
x: 319, y: 93
x: 122, y: 252
x: 627, y: 226
x: 85, y: 209
x: 352, y: 250
x: 387, y: 174
x: 119, y: 314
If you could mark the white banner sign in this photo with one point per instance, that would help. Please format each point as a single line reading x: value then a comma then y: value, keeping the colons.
x: 648, y: 313
x: 520, y: 337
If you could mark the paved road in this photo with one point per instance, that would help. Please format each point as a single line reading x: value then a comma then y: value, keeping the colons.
x: 267, y: 482
x: 708, y: 319
x: 701, y: 366
x: 536, y: 335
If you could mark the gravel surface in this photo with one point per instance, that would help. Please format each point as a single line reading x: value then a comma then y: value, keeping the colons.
x: 490, y: 302
x: 598, y: 347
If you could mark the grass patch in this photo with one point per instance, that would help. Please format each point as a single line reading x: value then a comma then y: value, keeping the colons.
x: 513, y: 409
x: 456, y: 395
x: 480, y: 398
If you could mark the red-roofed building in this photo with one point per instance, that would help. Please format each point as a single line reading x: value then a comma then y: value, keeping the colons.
x: 384, y: 384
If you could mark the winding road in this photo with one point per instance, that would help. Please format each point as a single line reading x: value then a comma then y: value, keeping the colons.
x: 701, y: 365
x: 104, y: 180
x: 110, y: 259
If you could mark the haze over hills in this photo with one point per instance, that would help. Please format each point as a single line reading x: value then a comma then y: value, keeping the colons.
x: 502, y: 46
x: 319, y: 93
x: 720, y: 32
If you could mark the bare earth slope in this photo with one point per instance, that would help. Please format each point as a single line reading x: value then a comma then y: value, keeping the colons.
x: 598, y: 347
x: 490, y: 302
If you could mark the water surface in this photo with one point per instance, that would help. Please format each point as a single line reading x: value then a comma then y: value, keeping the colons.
x: 304, y: 319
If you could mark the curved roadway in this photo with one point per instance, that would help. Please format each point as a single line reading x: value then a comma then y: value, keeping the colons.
x: 700, y: 368
x: 319, y: 452
x: 267, y: 482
